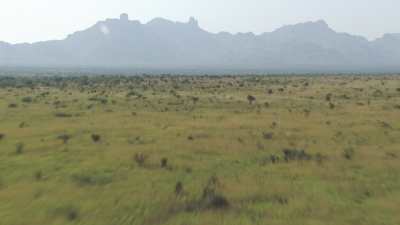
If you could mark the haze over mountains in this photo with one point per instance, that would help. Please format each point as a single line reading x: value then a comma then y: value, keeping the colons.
x: 163, y: 44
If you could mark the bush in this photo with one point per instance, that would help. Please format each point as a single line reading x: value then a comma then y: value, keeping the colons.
x: 12, y: 105
x: 27, y: 99
x: 218, y: 201
x: 280, y: 199
x: 70, y: 212
x: 96, y: 137
x: 178, y: 188
x: 22, y: 125
x: 99, y: 99
x: 268, y: 135
x: 19, y: 148
x: 348, y: 153
x: 2, y: 136
x: 164, y: 162
x: 64, y: 137
x: 63, y: 115
x: 274, y: 159
x: 294, y: 154
x: 251, y: 99
x: 211, y: 198
x: 140, y: 159
x: 38, y: 175
x: 328, y: 97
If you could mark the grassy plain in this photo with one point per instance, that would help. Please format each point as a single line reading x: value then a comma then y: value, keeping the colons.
x: 187, y: 150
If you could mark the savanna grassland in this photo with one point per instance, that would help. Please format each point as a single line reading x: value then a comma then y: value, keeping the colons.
x: 200, y: 150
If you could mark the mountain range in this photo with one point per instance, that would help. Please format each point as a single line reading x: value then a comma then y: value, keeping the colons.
x: 160, y: 43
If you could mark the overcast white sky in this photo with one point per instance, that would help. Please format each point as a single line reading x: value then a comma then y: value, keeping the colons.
x: 38, y: 20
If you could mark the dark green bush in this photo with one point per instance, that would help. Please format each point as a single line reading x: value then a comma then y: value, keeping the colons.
x: 295, y: 154
x: 63, y: 115
x: 140, y: 159
x: 164, y: 162
x: 96, y: 137
x: 64, y: 138
x: 348, y: 153
x: 92, y: 178
x: 19, y: 148
x: 178, y: 188
x: 27, y: 99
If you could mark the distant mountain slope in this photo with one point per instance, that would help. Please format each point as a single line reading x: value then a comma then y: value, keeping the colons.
x: 162, y: 43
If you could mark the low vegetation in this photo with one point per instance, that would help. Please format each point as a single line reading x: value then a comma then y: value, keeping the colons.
x: 193, y: 150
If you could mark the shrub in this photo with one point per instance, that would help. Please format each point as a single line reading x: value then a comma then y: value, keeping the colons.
x: 72, y: 214
x: 178, y: 188
x: 280, y: 199
x: 195, y: 99
x: 12, y: 105
x: 268, y: 135
x: 294, y: 154
x: 99, y: 99
x: 328, y: 97
x: 164, y: 162
x: 391, y: 155
x: 274, y: 159
x: 38, y: 175
x: 218, y: 201
x: 92, y: 178
x: 2, y: 136
x: 211, y: 187
x: 22, y: 125
x: 348, y: 153
x: 19, y: 148
x: 27, y: 99
x: 211, y: 198
x: 63, y: 115
x: 140, y: 159
x: 96, y: 137
x: 188, y: 170
x: 251, y: 99
x: 64, y: 137
x: 377, y: 93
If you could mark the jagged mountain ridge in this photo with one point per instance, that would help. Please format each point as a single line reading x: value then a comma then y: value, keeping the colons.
x: 161, y: 43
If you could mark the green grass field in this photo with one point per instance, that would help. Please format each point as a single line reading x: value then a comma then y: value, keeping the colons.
x: 187, y: 150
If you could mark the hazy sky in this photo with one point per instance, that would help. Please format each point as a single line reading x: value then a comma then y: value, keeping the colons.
x: 36, y: 20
